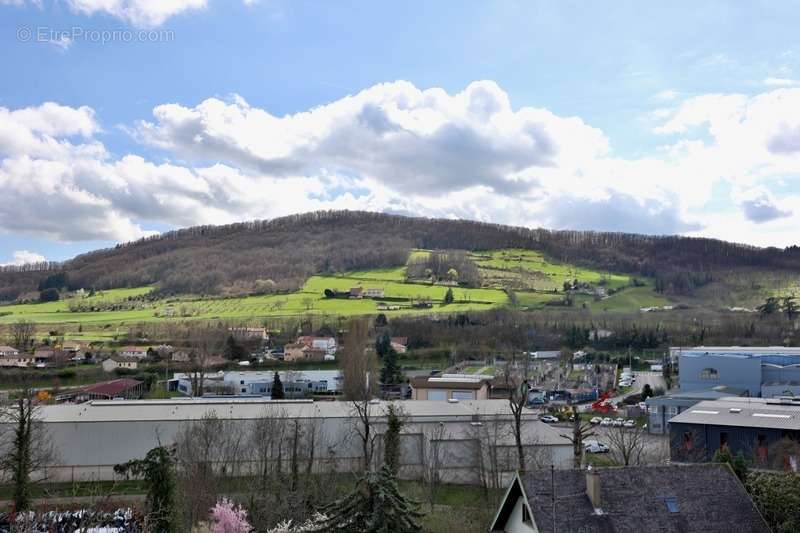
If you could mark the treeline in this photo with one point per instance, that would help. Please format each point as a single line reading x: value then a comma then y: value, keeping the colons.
x: 278, y: 255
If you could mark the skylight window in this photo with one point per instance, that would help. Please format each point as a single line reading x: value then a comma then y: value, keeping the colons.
x: 701, y: 412
x: 771, y: 415
x: 672, y: 504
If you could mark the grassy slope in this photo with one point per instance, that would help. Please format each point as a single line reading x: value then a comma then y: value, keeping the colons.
x: 529, y: 268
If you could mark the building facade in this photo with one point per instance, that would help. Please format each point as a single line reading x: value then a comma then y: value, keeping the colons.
x: 761, y: 371
x: 91, y: 438
x: 765, y: 430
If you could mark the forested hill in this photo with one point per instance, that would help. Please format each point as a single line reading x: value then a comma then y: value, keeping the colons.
x: 279, y: 254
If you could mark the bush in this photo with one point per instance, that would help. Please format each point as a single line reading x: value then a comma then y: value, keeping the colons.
x: 67, y: 373
x: 49, y: 295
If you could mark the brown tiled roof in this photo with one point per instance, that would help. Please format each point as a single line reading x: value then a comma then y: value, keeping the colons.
x: 112, y: 388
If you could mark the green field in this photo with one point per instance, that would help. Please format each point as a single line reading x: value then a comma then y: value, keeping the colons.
x: 534, y: 279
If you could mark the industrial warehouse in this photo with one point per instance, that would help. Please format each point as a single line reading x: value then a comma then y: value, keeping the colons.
x: 90, y: 438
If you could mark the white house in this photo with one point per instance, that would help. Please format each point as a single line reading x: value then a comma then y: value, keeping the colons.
x: 113, y: 363
x: 8, y: 351
x: 133, y: 351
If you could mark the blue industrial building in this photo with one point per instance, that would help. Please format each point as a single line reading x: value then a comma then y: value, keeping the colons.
x: 762, y: 372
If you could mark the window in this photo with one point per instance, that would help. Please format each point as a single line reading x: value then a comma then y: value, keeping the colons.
x: 723, y: 441
x: 709, y: 374
x: 526, y: 515
x: 672, y: 504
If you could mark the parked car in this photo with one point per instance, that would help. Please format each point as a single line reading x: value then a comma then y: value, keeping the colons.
x: 596, y: 420
x: 606, y: 422
x: 618, y: 422
x: 593, y: 446
x: 629, y: 424
x: 549, y: 419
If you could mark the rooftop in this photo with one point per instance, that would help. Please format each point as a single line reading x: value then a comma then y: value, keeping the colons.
x: 195, y: 408
x: 744, y: 412
x: 705, y: 498
x: 715, y: 393
x: 112, y: 388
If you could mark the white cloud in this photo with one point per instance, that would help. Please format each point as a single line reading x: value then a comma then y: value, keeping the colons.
x: 396, y: 148
x: 24, y: 257
x: 666, y: 95
x: 780, y: 82
x: 138, y: 13
x: 416, y: 141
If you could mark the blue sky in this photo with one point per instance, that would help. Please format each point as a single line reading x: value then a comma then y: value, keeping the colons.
x: 675, y: 118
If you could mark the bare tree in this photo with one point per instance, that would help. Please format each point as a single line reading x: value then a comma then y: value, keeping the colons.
x: 433, y: 458
x: 485, y: 437
x: 359, y: 365
x: 517, y: 399
x: 627, y: 445
x: 22, y: 333
x: 580, y: 431
x: 203, y: 345
x: 25, y: 446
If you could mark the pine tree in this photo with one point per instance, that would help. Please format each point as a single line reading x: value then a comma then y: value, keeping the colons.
x: 390, y: 372
x: 383, y: 344
x: 448, y: 296
x: 391, y: 439
x: 277, y: 388
x: 374, y: 506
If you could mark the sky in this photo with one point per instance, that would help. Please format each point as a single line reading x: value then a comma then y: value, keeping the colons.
x: 120, y: 119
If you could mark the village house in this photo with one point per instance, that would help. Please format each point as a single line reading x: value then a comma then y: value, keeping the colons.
x: 357, y: 292
x: 326, y: 344
x: 180, y: 356
x: 374, y: 293
x: 44, y: 355
x: 20, y: 360
x: 302, y: 352
x: 247, y: 333
x: 450, y: 387
x: 115, y: 362
x: 133, y: 351
x: 706, y: 498
x: 8, y: 351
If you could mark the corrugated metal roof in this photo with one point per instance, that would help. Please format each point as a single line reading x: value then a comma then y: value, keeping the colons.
x: 742, y: 412
x: 195, y: 408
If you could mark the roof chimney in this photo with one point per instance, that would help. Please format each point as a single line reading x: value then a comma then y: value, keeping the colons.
x: 593, y: 487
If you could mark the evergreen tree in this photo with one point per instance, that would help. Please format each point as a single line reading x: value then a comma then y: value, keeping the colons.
x: 383, y: 344
x: 374, y: 506
x: 391, y: 439
x: 390, y: 372
x: 448, y: 296
x: 234, y: 350
x: 158, y: 471
x: 277, y: 388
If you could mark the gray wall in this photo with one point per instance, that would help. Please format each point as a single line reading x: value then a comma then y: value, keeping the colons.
x: 743, y: 373
x: 89, y: 450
